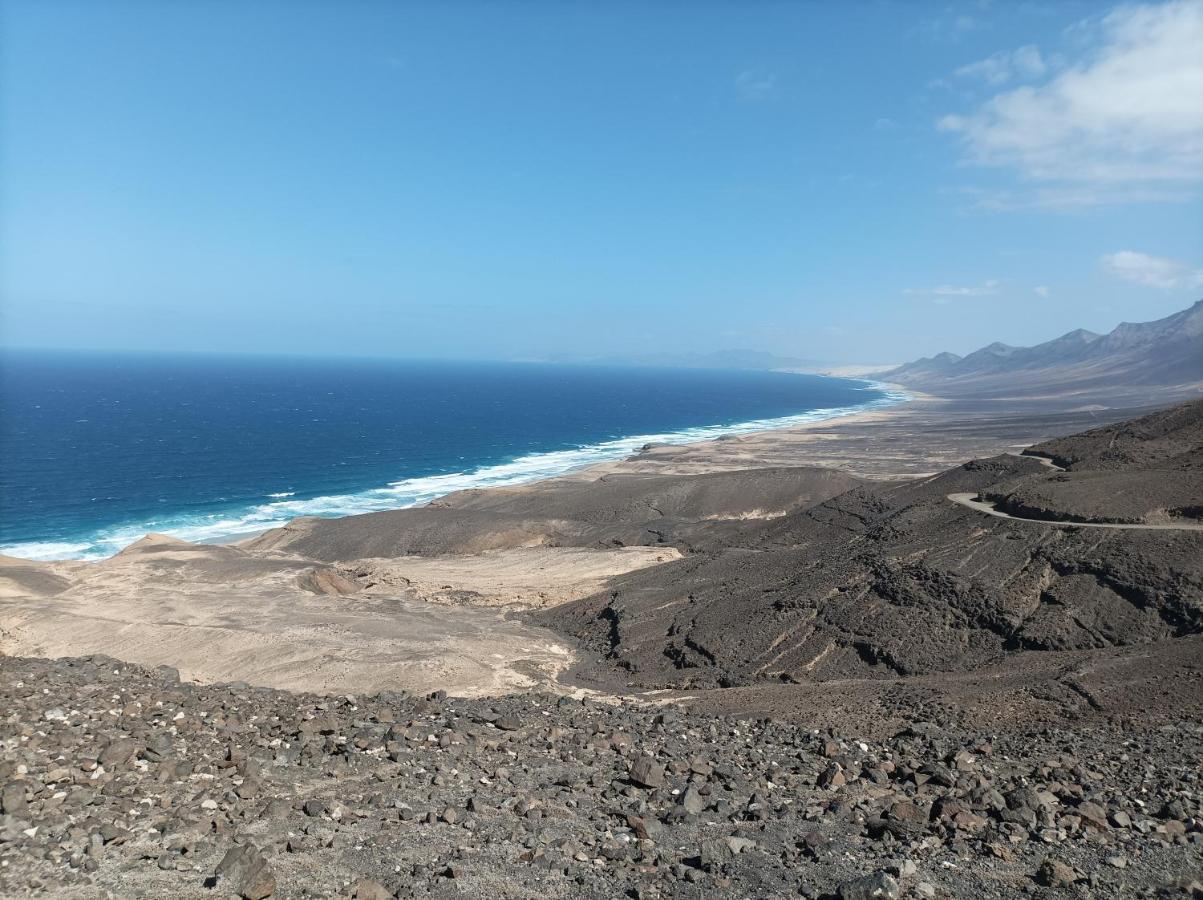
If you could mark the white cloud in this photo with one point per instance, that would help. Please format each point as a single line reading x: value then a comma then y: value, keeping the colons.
x: 1128, y: 117
x: 1069, y: 197
x: 755, y: 84
x: 1154, y: 271
x: 1041, y: 290
x: 1022, y: 64
x: 946, y: 293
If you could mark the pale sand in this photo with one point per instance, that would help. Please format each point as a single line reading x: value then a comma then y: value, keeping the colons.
x: 912, y: 439
x: 221, y: 614
x: 528, y: 578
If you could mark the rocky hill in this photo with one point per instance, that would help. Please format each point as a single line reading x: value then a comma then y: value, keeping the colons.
x: 606, y: 511
x: 1171, y: 438
x: 1148, y: 472
x: 898, y: 581
x: 1136, y: 362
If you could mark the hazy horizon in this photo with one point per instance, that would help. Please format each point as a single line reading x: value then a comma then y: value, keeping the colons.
x: 853, y: 183
x: 725, y: 357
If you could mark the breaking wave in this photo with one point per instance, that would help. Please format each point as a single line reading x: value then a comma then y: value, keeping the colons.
x: 284, y: 506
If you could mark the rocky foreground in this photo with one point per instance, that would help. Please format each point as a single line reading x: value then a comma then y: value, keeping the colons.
x: 123, y: 781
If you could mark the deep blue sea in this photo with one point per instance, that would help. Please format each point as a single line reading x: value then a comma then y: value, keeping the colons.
x: 97, y: 450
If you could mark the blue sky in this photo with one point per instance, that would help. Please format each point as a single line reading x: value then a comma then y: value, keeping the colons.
x: 854, y: 182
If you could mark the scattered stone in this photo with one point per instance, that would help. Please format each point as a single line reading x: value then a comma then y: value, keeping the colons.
x: 692, y: 801
x: 1056, y: 874
x: 409, y: 796
x: 12, y: 798
x: 245, y: 872
x: 648, y: 773
x: 369, y: 889
x: 117, y: 753
x: 878, y: 886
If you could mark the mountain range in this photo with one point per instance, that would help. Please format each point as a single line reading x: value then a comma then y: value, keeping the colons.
x: 1163, y: 359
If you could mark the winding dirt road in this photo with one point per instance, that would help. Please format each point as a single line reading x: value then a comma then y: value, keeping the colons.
x: 969, y: 501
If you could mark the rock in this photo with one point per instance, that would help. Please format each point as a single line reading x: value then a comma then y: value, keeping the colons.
x: 367, y: 889
x: 909, y: 814
x: 112, y: 834
x: 314, y: 808
x: 507, y: 723
x: 1054, y: 873
x: 878, y: 886
x: 646, y: 772
x: 1173, y: 828
x: 245, y: 872
x: 692, y: 801
x: 713, y: 854
x: 117, y: 753
x: 12, y: 799
x: 833, y: 777
x: 907, y: 869
x: 1093, y: 815
x: 1120, y: 819
x: 168, y: 674
x: 738, y: 845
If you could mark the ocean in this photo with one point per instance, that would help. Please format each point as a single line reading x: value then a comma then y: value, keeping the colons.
x: 97, y: 450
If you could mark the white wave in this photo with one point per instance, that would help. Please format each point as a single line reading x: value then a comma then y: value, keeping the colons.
x: 48, y: 550
x: 417, y: 491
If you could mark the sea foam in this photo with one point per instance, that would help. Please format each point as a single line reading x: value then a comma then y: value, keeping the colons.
x: 409, y: 492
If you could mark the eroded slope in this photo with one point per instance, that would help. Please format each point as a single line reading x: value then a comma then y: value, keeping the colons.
x: 894, y: 582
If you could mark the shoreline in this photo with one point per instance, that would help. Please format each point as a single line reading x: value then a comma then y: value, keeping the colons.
x: 918, y: 438
x: 524, y: 470
x: 903, y: 434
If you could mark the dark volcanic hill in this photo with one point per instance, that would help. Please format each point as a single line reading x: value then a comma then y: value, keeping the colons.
x: 613, y: 510
x: 1146, y: 471
x: 884, y: 582
x: 1150, y: 360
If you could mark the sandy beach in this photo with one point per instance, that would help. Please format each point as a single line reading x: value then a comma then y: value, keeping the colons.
x: 919, y: 436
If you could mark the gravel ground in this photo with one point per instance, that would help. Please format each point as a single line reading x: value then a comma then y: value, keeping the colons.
x: 122, y: 781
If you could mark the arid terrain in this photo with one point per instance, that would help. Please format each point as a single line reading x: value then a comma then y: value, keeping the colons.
x: 837, y: 661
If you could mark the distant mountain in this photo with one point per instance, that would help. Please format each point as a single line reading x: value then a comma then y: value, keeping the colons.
x: 1158, y: 361
x: 928, y: 365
